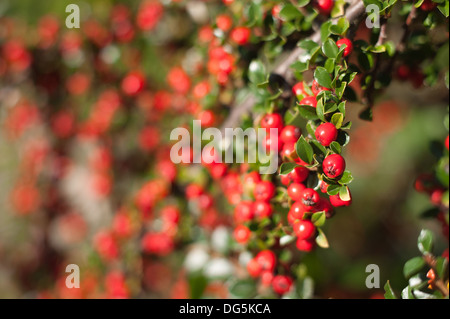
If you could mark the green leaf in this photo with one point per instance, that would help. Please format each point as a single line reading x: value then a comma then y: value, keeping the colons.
x: 425, y: 241
x: 318, y: 219
x: 444, y: 8
x: 333, y: 189
x: 257, y: 72
x: 308, y: 45
x: 344, y: 193
x: 304, y: 150
x: 325, y: 30
x: 308, y: 112
x: 330, y: 49
x: 442, y: 267
x: 289, y: 12
x: 320, y: 110
x: 329, y: 65
x: 322, y: 77
x: 346, y: 178
x: 300, y: 66
x: 341, y: 27
x: 389, y: 292
x: 243, y: 288
x: 337, y: 119
x: 321, y: 239
x: 413, y: 267
x: 286, y: 168
x: 335, y: 147
x: 317, y: 147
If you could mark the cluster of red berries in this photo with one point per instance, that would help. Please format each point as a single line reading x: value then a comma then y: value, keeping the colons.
x: 263, y: 266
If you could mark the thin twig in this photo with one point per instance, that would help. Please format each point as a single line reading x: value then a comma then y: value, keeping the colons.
x: 438, y: 282
x: 283, y: 68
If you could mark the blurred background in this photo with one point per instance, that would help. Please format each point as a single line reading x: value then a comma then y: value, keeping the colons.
x: 72, y: 155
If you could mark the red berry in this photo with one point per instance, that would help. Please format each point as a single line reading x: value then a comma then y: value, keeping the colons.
x: 244, y: 212
x: 326, y: 133
x: 295, y: 191
x: 446, y: 143
x: 242, y: 234
x: 306, y: 245
x: 299, y: 89
x: 264, y: 191
x: 224, y: 22
x: 133, y: 83
x: 254, y: 268
x: 240, y: 35
x: 287, y: 150
x: 309, y: 198
x: 309, y: 100
x: 262, y: 209
x: 428, y: 5
x: 349, y: 46
x: 304, y: 229
x: 290, y: 134
x: 266, y: 278
x: 324, y: 206
x: 323, y: 187
x: 267, y: 260
x: 436, y: 197
x: 285, y: 180
x: 273, y: 120
x: 324, y: 6
x: 403, y: 72
x: 272, y: 143
x: 316, y: 88
x: 297, y: 210
x: 336, y: 201
x: 299, y: 174
x: 333, y: 165
x: 281, y: 284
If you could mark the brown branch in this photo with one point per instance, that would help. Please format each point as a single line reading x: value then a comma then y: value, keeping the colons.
x: 353, y: 13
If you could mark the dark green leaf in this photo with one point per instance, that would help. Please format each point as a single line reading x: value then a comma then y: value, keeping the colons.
x: 425, y: 241
x: 286, y: 168
x: 330, y: 49
x: 322, y: 77
x: 308, y: 112
x: 304, y: 150
x: 335, y: 147
x: 389, y: 292
x: 413, y: 266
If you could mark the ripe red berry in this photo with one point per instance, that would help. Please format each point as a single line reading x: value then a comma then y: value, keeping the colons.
x: 299, y: 174
x: 324, y: 6
x: 299, y: 89
x: 295, y: 191
x: 326, y: 133
x: 224, y: 22
x: 333, y: 165
x: 273, y: 120
x: 241, y: 234
x: 309, y: 100
x: 324, y: 206
x: 254, y: 268
x: 446, y: 143
x: 428, y: 5
x: 323, y: 187
x: 306, y: 245
x: 267, y: 260
x: 304, y: 229
x: 436, y: 196
x: 133, y: 83
x: 272, y: 143
x: 297, y: 210
x: 264, y: 191
x: 348, y: 46
x: 288, y: 150
x: 266, y: 278
x: 290, y: 134
x: 309, y: 198
x: 262, y: 209
x: 316, y: 88
x: 240, y: 35
x: 336, y: 201
x: 244, y: 212
x: 281, y: 284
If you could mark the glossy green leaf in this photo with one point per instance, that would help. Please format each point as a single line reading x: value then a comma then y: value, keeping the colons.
x: 304, y: 150
x: 425, y: 241
x: 413, y: 266
x: 286, y: 168
x: 322, y: 77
